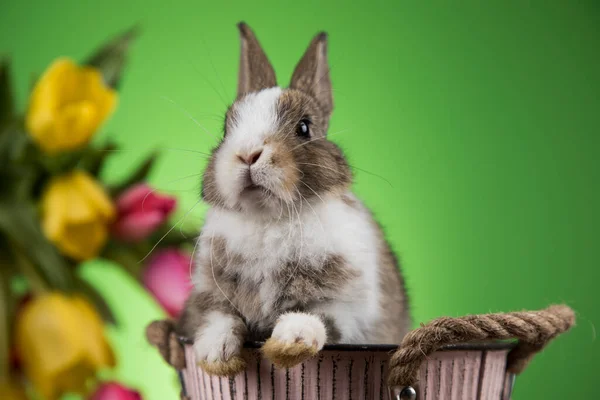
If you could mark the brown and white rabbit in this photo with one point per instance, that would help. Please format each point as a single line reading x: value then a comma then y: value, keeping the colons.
x: 287, y: 254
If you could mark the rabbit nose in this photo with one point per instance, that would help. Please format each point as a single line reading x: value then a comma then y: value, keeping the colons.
x: 251, y: 158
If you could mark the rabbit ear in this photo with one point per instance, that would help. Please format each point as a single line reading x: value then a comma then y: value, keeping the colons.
x: 256, y: 72
x: 312, y: 73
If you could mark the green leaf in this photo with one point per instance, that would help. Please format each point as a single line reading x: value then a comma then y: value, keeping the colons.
x: 16, y: 146
x: 32, y: 274
x: 19, y: 167
x: 110, y: 59
x: 61, y: 163
x: 7, y: 107
x: 128, y: 257
x: 92, y: 295
x: 139, y: 175
x: 19, y: 223
x: 93, y: 160
x: 10, y: 144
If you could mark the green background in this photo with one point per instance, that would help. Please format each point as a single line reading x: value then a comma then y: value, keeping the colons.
x: 478, y: 123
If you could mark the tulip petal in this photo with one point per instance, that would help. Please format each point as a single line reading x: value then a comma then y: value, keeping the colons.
x: 106, y: 98
x: 167, y: 277
x: 67, y: 106
x: 115, y: 391
x: 79, y: 208
x: 74, y: 379
x: 137, y: 226
x: 131, y: 197
x: 76, y: 214
x: 12, y: 391
x: 47, y: 97
x: 95, y: 194
x: 83, y: 241
x: 61, y: 343
x: 76, y: 124
x: 99, y: 353
x: 140, y: 212
x: 54, y: 209
x: 45, y: 355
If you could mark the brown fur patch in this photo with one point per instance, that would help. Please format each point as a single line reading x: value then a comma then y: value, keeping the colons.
x: 333, y: 332
x: 231, y: 367
x: 304, y: 284
x: 287, y: 355
x: 321, y: 164
x: 284, y: 159
x: 300, y: 286
x: 350, y: 202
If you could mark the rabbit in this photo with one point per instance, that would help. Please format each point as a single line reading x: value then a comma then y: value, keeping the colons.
x: 288, y: 255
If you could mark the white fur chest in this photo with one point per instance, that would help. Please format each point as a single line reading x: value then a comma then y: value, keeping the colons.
x: 325, y: 228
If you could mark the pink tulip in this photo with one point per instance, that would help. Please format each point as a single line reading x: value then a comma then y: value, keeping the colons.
x: 140, y: 211
x: 167, y: 277
x: 115, y: 391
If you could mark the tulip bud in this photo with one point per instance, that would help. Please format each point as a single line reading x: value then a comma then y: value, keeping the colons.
x: 115, y: 391
x: 167, y: 277
x: 140, y: 211
x: 67, y: 106
x: 12, y: 390
x: 61, y: 344
x: 76, y: 214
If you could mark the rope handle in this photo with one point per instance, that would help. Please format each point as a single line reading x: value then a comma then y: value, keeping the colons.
x: 161, y: 334
x: 533, y: 330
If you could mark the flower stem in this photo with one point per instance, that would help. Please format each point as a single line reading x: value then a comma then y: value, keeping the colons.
x: 35, y: 281
x: 4, y: 322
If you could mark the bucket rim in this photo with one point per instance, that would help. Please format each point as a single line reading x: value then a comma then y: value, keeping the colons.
x: 478, y: 346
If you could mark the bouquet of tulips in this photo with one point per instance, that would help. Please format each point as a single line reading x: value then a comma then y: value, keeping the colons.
x: 56, y: 213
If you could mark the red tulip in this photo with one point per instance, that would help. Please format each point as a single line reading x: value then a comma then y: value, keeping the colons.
x: 115, y: 391
x: 167, y: 277
x: 140, y: 211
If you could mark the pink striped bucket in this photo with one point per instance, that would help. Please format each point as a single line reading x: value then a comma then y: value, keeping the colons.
x: 454, y: 372
x: 473, y: 357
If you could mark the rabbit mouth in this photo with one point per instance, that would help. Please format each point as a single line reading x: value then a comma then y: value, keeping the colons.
x: 251, y: 187
x: 255, y: 189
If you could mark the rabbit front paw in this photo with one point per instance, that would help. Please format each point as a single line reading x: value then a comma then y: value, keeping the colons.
x: 218, y: 345
x: 295, y: 338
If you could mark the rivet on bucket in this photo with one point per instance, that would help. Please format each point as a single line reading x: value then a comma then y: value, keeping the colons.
x: 403, y: 393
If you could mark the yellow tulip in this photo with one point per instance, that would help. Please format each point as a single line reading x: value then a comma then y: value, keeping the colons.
x: 67, y: 106
x: 76, y: 213
x: 12, y: 391
x: 61, y: 342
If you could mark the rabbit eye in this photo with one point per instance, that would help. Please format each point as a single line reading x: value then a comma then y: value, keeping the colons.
x: 302, y: 129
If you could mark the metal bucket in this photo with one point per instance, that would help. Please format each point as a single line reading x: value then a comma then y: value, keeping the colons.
x: 432, y: 363
x: 454, y: 372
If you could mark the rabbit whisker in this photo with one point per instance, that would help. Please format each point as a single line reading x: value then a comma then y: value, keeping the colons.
x: 190, y: 116
x: 312, y: 190
x: 169, y: 231
x: 318, y: 138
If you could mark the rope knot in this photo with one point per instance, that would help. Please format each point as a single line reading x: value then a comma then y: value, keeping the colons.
x: 161, y: 334
x: 533, y: 329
